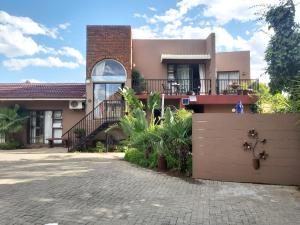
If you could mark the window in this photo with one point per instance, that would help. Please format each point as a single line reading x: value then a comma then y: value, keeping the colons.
x: 105, y: 91
x: 109, y: 70
x: 232, y: 75
x: 226, y: 79
x: 44, y: 125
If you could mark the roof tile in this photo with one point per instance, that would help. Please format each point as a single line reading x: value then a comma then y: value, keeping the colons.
x: 42, y: 90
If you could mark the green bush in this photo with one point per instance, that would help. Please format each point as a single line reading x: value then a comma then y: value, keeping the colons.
x: 137, y: 157
x: 121, y: 147
x: 189, y: 165
x: 11, y: 145
x: 100, y: 147
x: 153, y: 160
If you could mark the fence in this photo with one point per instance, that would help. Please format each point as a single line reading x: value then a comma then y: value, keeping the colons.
x: 219, y: 143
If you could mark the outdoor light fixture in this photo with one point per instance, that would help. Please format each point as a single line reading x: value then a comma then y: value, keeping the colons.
x: 88, y: 81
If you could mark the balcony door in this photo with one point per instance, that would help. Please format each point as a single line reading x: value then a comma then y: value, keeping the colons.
x: 190, y: 77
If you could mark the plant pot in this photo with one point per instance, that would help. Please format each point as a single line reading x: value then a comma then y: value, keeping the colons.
x: 256, y: 163
x: 162, y: 163
x: 245, y: 92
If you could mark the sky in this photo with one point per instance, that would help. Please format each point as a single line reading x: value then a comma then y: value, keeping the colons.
x: 45, y: 41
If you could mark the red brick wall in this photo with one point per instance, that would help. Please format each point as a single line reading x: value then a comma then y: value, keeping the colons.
x: 113, y: 42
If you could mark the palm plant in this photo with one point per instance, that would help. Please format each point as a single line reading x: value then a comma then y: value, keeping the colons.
x: 153, y: 102
x: 177, y: 135
x: 132, y: 102
x: 10, y: 121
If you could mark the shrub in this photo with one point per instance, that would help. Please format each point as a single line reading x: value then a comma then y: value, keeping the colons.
x: 100, y: 147
x: 137, y: 157
x: 11, y: 145
x: 189, y: 165
x: 79, y: 132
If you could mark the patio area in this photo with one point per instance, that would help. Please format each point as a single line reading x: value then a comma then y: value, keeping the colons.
x: 52, y: 186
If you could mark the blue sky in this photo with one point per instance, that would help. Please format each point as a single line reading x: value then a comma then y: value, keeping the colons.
x: 45, y: 41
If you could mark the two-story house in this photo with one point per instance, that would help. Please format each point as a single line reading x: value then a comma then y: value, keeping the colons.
x: 188, y: 73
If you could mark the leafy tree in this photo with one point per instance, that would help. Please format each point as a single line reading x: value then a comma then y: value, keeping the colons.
x: 269, y: 103
x: 11, y: 121
x: 295, y: 95
x: 283, y: 51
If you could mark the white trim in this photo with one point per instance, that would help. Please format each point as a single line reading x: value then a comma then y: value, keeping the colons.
x: 174, y: 56
x: 42, y: 99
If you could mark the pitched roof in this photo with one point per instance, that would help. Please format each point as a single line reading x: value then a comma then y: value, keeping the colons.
x: 42, y: 90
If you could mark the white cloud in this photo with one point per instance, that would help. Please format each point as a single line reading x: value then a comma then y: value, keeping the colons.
x: 152, y: 9
x: 64, y: 26
x: 26, y: 25
x: 18, y: 64
x: 31, y: 80
x: 14, y: 43
x: 144, y: 32
x: 16, y: 40
x: 72, y: 52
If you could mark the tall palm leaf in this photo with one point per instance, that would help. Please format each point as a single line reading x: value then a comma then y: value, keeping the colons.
x: 10, y: 121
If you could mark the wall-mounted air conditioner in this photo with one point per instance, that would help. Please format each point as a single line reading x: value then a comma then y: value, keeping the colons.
x: 76, y: 104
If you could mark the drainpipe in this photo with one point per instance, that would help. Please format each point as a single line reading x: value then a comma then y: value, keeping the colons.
x: 162, y: 105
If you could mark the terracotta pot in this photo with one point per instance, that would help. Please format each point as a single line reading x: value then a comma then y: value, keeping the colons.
x: 256, y: 163
x: 162, y: 163
x: 245, y: 92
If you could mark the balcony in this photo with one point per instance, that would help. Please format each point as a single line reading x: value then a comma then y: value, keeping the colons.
x: 173, y: 87
x: 236, y: 86
x: 196, y: 87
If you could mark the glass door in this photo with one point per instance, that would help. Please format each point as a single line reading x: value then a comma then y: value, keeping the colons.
x: 106, y: 91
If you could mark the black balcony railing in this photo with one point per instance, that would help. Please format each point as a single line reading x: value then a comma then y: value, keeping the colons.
x: 173, y: 87
x: 237, y: 86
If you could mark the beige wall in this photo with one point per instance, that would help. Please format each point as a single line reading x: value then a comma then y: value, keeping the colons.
x: 147, y: 54
x: 234, y: 61
x: 218, y: 153
x: 223, y: 108
x: 70, y: 117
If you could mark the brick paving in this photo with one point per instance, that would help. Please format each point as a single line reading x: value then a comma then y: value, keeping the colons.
x: 51, y: 186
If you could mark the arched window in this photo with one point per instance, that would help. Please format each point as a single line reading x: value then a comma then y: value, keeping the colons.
x: 109, y: 70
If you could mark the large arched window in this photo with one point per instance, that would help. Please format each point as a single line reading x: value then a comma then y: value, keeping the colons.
x: 109, y: 70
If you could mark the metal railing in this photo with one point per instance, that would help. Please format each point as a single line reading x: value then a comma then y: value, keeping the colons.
x: 236, y: 86
x: 108, y: 111
x: 173, y: 87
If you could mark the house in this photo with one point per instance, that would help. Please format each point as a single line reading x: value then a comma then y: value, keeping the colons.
x: 189, y: 73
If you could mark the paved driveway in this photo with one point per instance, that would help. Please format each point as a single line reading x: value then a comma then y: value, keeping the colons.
x: 51, y: 186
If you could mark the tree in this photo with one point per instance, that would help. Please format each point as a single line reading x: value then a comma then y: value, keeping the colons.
x: 283, y: 51
x: 295, y: 95
x: 11, y: 121
x: 269, y: 103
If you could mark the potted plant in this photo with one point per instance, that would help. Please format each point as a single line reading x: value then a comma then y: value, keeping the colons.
x: 161, y: 158
x: 245, y: 89
x: 234, y: 85
x: 239, y: 91
x: 138, y: 82
x: 79, y: 132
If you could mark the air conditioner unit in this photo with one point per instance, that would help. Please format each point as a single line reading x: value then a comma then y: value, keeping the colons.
x: 75, y: 105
